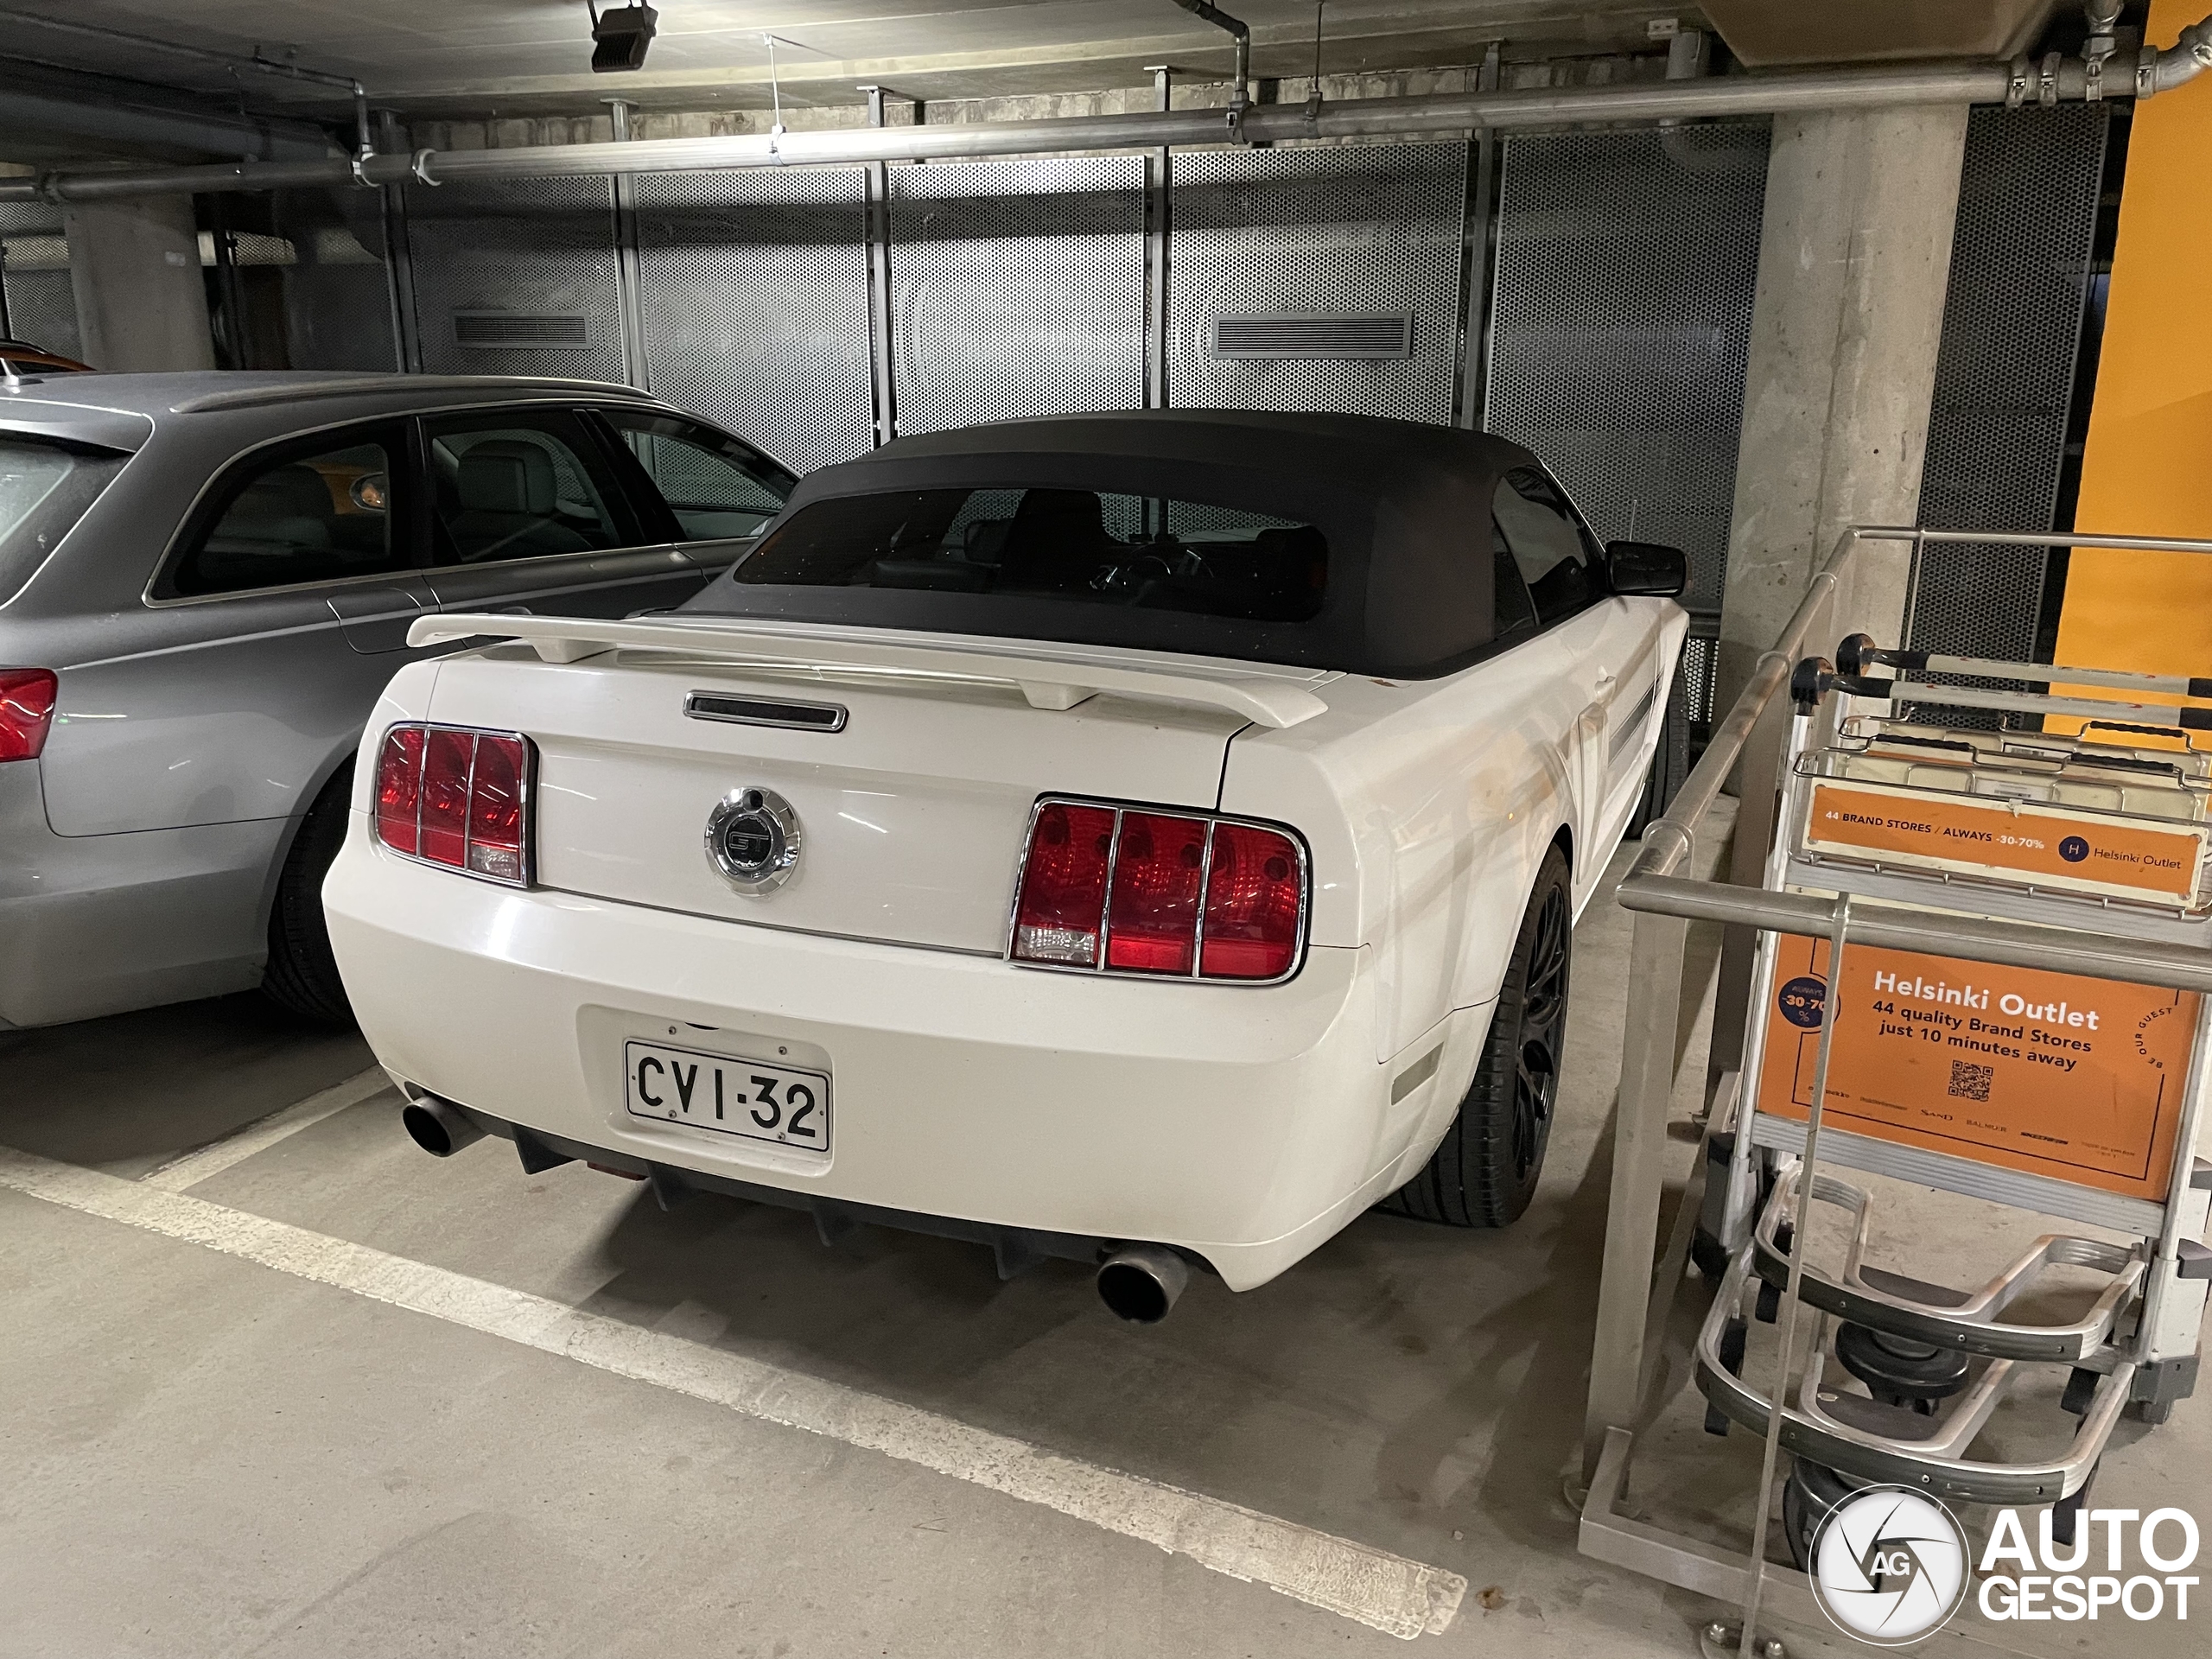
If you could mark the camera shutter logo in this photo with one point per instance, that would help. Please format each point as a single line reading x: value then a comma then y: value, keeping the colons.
x: 1890, y: 1566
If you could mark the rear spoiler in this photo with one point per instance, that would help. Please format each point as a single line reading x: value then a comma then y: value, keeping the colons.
x: 1045, y: 682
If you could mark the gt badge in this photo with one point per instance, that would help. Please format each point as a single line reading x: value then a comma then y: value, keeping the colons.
x: 752, y: 836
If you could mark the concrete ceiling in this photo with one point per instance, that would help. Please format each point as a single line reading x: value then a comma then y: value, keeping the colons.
x: 454, y: 58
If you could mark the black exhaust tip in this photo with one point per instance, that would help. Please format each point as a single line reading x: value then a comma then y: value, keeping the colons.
x: 437, y: 1126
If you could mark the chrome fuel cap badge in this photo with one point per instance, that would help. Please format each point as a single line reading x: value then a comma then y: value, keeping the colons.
x: 752, y: 836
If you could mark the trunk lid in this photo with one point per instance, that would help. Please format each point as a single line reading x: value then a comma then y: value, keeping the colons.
x: 911, y: 815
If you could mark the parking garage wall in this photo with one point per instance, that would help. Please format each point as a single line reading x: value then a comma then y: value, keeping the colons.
x: 1590, y: 295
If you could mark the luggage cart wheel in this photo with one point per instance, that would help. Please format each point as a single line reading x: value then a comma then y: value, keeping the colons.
x: 1811, y: 1491
x: 1709, y: 1255
x: 1899, y: 1371
x: 2067, y: 1512
x: 2081, y: 1388
x: 1732, y: 1337
x: 1770, y: 1297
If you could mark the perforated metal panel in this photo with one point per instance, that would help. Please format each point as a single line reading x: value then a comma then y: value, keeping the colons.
x: 42, y: 304
x: 544, y: 246
x: 1621, y: 320
x: 1017, y: 288
x: 1371, y: 230
x: 753, y: 296
x: 2020, y: 260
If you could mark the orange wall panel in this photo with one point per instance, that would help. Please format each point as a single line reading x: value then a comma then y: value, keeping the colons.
x: 2148, y: 469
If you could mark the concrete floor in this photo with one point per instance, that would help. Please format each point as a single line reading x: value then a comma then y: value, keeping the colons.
x: 207, y: 1457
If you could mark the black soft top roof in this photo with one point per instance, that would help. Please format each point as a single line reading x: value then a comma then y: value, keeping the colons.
x: 1405, y: 507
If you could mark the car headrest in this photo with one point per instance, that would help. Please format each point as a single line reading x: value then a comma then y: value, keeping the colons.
x: 506, y: 475
x: 293, y: 492
x: 1057, y: 538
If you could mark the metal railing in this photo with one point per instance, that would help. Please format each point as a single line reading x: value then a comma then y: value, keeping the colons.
x: 1750, y: 742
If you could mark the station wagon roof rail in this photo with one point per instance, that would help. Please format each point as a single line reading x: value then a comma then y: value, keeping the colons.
x: 356, y: 385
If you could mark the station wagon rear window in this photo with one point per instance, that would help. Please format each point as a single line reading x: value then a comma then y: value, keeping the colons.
x: 45, y: 488
x: 1090, y: 547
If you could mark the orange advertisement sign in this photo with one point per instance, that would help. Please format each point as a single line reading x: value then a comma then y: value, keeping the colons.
x: 2042, y: 845
x: 2078, y: 1079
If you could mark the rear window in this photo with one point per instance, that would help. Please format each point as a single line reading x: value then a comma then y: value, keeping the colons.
x: 45, y: 488
x: 1088, y: 547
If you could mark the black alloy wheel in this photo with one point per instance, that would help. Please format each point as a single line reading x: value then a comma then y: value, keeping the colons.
x: 1483, y: 1173
x: 1543, y: 1029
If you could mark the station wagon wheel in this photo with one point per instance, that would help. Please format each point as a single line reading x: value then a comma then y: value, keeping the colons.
x: 301, y: 974
x: 1484, y: 1171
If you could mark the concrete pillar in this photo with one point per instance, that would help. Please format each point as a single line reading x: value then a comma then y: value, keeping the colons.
x: 1855, y: 261
x: 135, y: 268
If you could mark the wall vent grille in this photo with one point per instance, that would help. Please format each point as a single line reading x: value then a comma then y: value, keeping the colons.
x: 528, y: 330
x: 1313, y: 335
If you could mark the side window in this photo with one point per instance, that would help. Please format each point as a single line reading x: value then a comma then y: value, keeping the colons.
x: 1512, y: 610
x: 519, y: 485
x: 303, y: 513
x: 717, y: 488
x: 1556, y: 559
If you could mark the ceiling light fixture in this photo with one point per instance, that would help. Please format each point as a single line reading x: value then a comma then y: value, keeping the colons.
x: 620, y: 36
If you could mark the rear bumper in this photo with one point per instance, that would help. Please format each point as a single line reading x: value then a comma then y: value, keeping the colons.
x: 1245, y: 1125
x: 97, y: 925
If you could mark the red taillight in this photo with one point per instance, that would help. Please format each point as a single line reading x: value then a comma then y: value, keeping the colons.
x: 26, y: 710
x: 446, y: 757
x: 1152, y: 927
x: 1063, y: 902
x: 1135, y: 891
x: 456, y: 798
x: 1255, y: 896
x: 399, y: 789
x: 495, y: 796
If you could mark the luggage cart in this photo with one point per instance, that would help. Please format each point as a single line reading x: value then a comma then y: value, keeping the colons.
x: 1941, y: 858
x: 2107, y: 829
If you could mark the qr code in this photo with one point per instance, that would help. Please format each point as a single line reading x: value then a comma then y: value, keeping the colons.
x: 1970, y: 1082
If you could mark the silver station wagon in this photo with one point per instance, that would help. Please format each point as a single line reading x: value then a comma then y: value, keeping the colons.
x: 206, y: 580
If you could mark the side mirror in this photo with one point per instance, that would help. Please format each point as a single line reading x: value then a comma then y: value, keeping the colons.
x: 1649, y: 568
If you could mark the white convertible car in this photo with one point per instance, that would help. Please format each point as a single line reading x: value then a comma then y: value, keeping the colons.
x: 1148, y: 839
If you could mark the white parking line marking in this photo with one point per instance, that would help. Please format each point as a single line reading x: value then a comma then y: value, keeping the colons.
x: 1386, y: 1593
x: 217, y: 1156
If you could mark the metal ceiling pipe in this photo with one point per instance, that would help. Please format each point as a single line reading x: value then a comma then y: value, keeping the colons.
x: 2190, y: 57
x: 1240, y: 95
x: 1729, y: 95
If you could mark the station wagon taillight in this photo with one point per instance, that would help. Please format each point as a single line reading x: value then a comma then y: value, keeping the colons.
x: 26, y: 710
x: 453, y: 796
x: 1173, y: 894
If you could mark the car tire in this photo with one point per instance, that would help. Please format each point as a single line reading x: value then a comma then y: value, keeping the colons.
x: 1484, y: 1171
x: 301, y: 975
x: 1670, y: 761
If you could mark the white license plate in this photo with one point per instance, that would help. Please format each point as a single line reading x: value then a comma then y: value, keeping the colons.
x: 729, y: 1097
